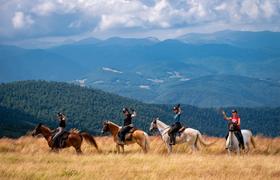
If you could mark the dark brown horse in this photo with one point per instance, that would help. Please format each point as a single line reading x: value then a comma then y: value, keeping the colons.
x: 138, y: 136
x: 74, y: 139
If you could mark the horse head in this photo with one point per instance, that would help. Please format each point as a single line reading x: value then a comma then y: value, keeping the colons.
x: 105, y: 127
x: 37, y: 130
x: 153, y: 124
x: 231, y: 127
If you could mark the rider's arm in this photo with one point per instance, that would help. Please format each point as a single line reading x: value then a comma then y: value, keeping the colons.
x: 238, y: 122
x: 225, y: 116
x: 133, y: 114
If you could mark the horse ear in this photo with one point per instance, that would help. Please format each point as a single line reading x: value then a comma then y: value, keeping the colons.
x: 40, y: 124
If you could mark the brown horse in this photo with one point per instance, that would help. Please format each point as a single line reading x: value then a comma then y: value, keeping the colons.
x: 138, y: 136
x: 74, y: 139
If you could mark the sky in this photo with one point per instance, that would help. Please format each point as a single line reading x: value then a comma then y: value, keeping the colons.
x: 62, y: 20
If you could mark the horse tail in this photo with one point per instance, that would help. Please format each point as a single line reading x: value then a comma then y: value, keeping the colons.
x: 253, y: 142
x: 196, y: 140
x: 147, y: 142
x: 199, y: 137
x: 89, y: 139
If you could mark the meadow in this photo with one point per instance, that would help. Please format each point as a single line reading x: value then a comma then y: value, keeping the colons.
x: 30, y: 158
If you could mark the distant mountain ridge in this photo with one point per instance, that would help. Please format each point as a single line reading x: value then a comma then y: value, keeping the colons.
x: 155, y: 71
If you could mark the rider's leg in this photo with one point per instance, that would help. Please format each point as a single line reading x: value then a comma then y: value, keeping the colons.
x: 171, y: 134
x: 123, y: 132
x: 226, y: 136
x: 240, y: 138
x: 55, y: 137
x: 177, y: 127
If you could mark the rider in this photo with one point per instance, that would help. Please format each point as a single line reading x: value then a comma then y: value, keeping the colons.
x: 127, y: 125
x: 235, y: 119
x: 62, y: 124
x: 177, y: 125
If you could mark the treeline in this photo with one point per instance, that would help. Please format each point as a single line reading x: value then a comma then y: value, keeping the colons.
x: 26, y: 103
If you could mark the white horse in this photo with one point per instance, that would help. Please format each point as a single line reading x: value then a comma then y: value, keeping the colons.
x: 189, y: 136
x: 232, y: 143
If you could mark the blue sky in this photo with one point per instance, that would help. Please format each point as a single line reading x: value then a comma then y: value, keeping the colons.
x: 76, y: 19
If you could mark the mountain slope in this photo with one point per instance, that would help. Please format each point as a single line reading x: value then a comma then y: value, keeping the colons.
x: 256, y: 40
x: 148, y: 69
x: 23, y: 64
x: 228, y: 90
x: 24, y: 104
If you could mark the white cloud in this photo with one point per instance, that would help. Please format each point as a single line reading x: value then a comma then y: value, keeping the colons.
x: 175, y: 74
x: 156, y: 80
x: 44, y: 9
x: 98, y: 82
x: 125, y: 17
x: 267, y: 8
x: 144, y: 87
x: 82, y: 82
x: 184, y: 79
x: 111, y: 70
x: 250, y: 8
x: 21, y: 21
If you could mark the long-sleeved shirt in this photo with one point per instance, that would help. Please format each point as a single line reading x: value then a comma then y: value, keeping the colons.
x: 128, y: 119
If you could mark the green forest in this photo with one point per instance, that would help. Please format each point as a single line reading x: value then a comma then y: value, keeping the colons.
x: 24, y: 104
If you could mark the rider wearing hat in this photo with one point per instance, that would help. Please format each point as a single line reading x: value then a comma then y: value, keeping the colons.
x: 177, y: 125
x: 235, y: 119
x: 127, y: 125
x: 62, y: 124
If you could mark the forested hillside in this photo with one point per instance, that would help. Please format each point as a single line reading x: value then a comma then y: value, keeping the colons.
x: 24, y: 104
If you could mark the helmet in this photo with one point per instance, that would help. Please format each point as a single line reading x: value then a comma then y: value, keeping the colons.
x: 59, y: 114
x: 124, y: 110
x: 233, y: 111
x: 176, y: 107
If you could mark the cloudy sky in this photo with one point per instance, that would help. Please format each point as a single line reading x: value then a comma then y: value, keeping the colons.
x: 76, y: 19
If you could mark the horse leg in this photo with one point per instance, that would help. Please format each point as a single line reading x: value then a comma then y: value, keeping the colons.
x: 118, y: 148
x: 238, y: 151
x: 195, y: 148
x: 229, y: 152
x: 122, y: 146
x: 169, y: 148
x: 78, y: 150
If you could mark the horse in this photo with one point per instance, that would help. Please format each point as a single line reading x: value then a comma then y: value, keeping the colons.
x: 189, y: 135
x: 74, y: 138
x: 138, y: 136
x: 232, y: 143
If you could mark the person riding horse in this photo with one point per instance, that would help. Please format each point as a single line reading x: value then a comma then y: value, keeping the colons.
x: 62, y: 124
x: 176, y: 126
x: 127, y: 125
x: 235, y: 120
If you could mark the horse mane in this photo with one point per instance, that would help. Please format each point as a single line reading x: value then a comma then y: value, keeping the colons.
x: 74, y: 130
x: 113, y: 124
x: 158, y: 120
x: 46, y: 127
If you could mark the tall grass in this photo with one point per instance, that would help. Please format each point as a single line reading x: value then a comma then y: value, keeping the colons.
x: 30, y: 158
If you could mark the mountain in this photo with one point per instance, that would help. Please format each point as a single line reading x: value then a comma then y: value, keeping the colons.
x: 229, y: 90
x: 155, y: 71
x: 23, y: 64
x: 26, y: 103
x: 256, y: 40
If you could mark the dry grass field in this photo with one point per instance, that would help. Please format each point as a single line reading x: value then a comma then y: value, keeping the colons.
x: 30, y: 158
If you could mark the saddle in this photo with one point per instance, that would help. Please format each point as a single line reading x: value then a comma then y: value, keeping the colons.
x: 181, y: 130
x: 61, y: 139
x: 128, y: 136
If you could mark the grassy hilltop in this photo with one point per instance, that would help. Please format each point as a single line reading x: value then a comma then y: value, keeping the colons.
x: 29, y: 158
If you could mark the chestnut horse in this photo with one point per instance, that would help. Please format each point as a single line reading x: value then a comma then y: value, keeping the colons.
x: 138, y: 136
x: 74, y: 139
